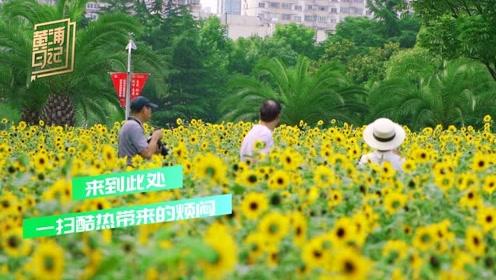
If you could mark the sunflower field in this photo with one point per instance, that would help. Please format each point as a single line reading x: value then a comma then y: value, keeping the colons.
x: 306, y: 211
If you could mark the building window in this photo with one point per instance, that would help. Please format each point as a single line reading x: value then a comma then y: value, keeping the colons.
x: 309, y: 7
x: 358, y: 11
x: 345, y: 10
x: 261, y: 5
x: 286, y: 17
x: 310, y: 18
x: 274, y: 5
x: 323, y: 8
x: 298, y: 8
x: 334, y: 10
x: 321, y: 19
x: 286, y: 6
x: 297, y: 18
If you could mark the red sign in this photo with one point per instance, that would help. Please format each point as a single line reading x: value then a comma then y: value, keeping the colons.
x: 137, y: 84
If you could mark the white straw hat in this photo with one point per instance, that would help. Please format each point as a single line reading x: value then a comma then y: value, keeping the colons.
x: 383, y: 134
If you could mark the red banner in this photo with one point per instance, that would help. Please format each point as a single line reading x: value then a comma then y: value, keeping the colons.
x: 137, y: 84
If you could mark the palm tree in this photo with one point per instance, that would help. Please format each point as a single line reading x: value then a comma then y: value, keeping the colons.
x: 99, y: 50
x: 461, y: 93
x: 305, y: 94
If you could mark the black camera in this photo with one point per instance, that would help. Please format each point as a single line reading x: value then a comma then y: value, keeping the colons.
x: 160, y: 146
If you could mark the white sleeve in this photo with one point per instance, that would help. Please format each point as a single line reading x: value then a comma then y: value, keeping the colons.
x: 363, y: 160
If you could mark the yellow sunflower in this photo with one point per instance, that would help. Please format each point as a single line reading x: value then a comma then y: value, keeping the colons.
x: 14, y: 245
x: 425, y: 238
x: 40, y: 161
x: 349, y: 264
x: 474, y: 241
x: 335, y: 197
x: 253, y: 205
x: 315, y: 254
x: 279, y: 180
x: 274, y: 226
x: 395, y: 250
x: 48, y: 261
x: 223, y: 259
x: 247, y: 178
x: 299, y: 227
x: 323, y: 176
x: 210, y: 167
x: 486, y: 217
x: 489, y: 184
x: 394, y: 201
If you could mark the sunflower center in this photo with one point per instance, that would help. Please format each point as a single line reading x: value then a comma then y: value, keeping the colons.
x: 273, y: 256
x: 298, y: 230
x: 317, y: 254
x: 489, y: 219
x: 470, y: 195
x: 13, y: 242
x: 252, y: 179
x: 48, y: 263
x: 476, y: 241
x: 127, y: 247
x: 341, y: 232
x: 481, y: 163
x: 273, y: 228
x: 425, y: 238
x: 395, y: 204
x: 349, y: 267
x: 5, y: 204
x: 254, y: 247
x: 210, y: 171
x: 216, y: 259
x: 280, y: 181
x: 253, y: 206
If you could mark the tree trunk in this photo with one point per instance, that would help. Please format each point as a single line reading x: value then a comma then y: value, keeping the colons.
x: 59, y: 110
x: 30, y: 116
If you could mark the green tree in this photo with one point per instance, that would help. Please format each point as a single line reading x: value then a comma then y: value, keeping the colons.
x: 459, y: 28
x: 301, y: 39
x: 371, y: 67
x: 247, y: 52
x: 397, y: 23
x: 461, y: 93
x: 196, y: 55
x: 305, y: 94
x: 361, y: 31
x: 412, y: 64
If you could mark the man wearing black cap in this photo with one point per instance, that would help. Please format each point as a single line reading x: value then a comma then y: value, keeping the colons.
x: 132, y: 140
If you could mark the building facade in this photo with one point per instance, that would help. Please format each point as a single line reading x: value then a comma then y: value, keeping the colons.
x: 322, y: 15
x: 229, y: 7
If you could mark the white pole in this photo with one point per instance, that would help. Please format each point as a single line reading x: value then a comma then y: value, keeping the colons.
x: 130, y: 47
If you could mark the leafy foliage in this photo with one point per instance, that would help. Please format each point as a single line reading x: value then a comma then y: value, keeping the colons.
x: 305, y: 94
x: 460, y: 93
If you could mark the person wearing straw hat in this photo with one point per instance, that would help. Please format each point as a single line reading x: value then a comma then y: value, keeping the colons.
x: 385, y: 137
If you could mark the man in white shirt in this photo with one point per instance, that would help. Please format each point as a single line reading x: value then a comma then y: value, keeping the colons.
x: 261, y: 133
x: 385, y: 136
